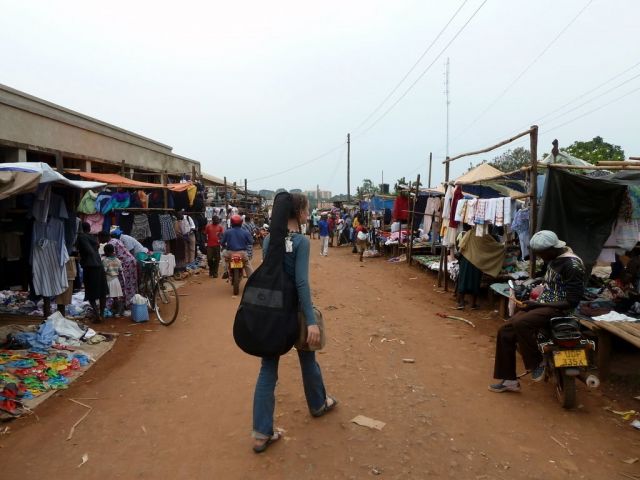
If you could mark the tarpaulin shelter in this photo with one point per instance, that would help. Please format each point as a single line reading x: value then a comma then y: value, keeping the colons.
x: 20, y: 177
x: 115, y: 180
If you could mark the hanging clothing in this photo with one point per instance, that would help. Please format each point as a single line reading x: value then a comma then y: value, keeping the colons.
x: 167, y: 227
x: 95, y: 221
x: 48, y: 258
x: 40, y: 207
x: 125, y: 222
x: 499, y: 212
x: 507, y: 210
x: 433, y: 207
x: 460, y: 210
x: 140, y: 230
x: 88, y: 203
x: 191, y: 194
x: 485, y: 253
x: 470, y: 214
x: 401, y: 208
x: 457, y: 196
x: 481, y: 210
x: 446, y: 206
x: 520, y: 225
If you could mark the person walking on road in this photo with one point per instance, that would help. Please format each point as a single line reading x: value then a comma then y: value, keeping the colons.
x: 323, y: 229
x: 213, y: 232
x: 296, y: 265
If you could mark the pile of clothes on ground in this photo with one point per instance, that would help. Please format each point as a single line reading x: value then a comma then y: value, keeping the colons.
x: 18, y: 303
x: 37, y: 359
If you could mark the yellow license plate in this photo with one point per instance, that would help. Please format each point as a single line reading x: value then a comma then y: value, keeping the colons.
x: 570, y: 358
x: 236, y: 264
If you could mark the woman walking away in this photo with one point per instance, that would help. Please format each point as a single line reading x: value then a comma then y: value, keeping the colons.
x: 93, y: 276
x: 296, y: 265
x: 112, y: 268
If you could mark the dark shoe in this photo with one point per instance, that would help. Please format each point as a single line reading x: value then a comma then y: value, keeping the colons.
x: 501, y: 387
x: 326, y: 407
x: 537, y: 374
x: 263, y: 447
x: 225, y: 275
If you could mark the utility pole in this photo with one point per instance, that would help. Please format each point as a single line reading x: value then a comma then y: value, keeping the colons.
x: 317, y: 196
x: 430, y: 164
x: 446, y: 92
x: 348, y: 167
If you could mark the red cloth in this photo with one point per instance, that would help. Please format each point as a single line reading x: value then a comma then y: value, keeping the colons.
x: 457, y: 195
x: 214, y: 232
x: 401, y: 208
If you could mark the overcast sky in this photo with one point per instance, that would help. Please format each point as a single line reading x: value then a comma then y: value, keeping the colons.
x: 252, y: 88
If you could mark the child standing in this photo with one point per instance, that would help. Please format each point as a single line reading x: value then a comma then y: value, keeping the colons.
x: 112, y: 267
x: 323, y: 228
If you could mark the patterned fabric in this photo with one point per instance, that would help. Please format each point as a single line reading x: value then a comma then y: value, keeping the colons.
x: 167, y: 227
x: 481, y: 210
x: 564, y: 280
x: 112, y: 266
x: 634, y: 195
x: 129, y: 273
x: 140, y: 230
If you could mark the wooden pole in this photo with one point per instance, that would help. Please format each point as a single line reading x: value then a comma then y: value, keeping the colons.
x: 246, y: 195
x: 430, y: 165
x: 443, y: 271
x: 488, y: 149
x: 165, y: 192
x: 226, y: 205
x: 122, y: 168
x: 349, y: 167
x: 59, y: 162
x: 533, y: 214
x: 412, y: 213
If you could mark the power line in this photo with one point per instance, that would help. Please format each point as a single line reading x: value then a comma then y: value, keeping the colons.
x: 587, y: 92
x: 595, y: 98
x: 315, y: 159
x: 395, y: 89
x: 393, y: 105
x: 527, y: 68
x: 593, y: 110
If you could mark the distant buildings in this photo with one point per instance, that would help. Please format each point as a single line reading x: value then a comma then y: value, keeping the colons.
x: 324, y: 194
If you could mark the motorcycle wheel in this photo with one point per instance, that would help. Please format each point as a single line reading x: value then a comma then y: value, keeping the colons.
x: 236, y: 274
x: 565, y: 389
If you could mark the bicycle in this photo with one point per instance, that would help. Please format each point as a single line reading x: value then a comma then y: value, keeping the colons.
x: 161, y: 293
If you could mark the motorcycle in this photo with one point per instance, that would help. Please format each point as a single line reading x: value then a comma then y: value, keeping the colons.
x: 566, y: 356
x: 236, y: 269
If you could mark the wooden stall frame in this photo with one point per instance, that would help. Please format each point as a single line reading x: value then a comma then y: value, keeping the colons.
x: 533, y: 169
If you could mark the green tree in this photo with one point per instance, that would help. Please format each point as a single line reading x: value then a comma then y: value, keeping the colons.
x: 512, y: 160
x: 367, y: 188
x: 595, y: 150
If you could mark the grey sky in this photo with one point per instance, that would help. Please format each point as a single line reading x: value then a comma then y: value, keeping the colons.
x: 254, y: 88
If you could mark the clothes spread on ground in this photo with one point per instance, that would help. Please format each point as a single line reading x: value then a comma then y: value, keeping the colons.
x: 579, y: 210
x: 564, y: 280
x: 485, y: 253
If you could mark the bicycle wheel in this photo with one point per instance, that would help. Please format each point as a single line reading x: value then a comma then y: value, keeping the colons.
x: 166, y: 302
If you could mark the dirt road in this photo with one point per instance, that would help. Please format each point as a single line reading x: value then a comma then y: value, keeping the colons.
x: 176, y: 402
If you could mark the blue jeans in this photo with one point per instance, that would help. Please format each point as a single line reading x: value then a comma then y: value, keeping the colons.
x: 264, y: 399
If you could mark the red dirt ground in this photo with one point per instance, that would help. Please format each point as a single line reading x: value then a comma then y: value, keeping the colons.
x: 176, y: 402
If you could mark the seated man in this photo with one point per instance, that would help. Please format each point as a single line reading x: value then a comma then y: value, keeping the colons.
x: 236, y: 240
x: 563, y: 288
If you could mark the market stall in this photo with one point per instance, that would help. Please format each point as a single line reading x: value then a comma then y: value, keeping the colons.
x: 38, y: 227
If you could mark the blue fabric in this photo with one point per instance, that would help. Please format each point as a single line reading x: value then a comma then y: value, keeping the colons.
x: 324, y: 228
x: 296, y: 265
x: 236, y: 239
x: 264, y: 401
x: 41, y: 340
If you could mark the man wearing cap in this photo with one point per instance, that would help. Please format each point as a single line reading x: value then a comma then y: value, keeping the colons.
x: 563, y: 288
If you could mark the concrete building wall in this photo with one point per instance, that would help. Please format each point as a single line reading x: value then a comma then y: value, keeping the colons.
x: 30, y: 123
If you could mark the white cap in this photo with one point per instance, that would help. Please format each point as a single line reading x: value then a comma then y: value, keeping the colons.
x: 544, y: 240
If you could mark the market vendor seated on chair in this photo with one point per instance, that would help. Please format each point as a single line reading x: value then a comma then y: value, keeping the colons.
x: 563, y: 288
